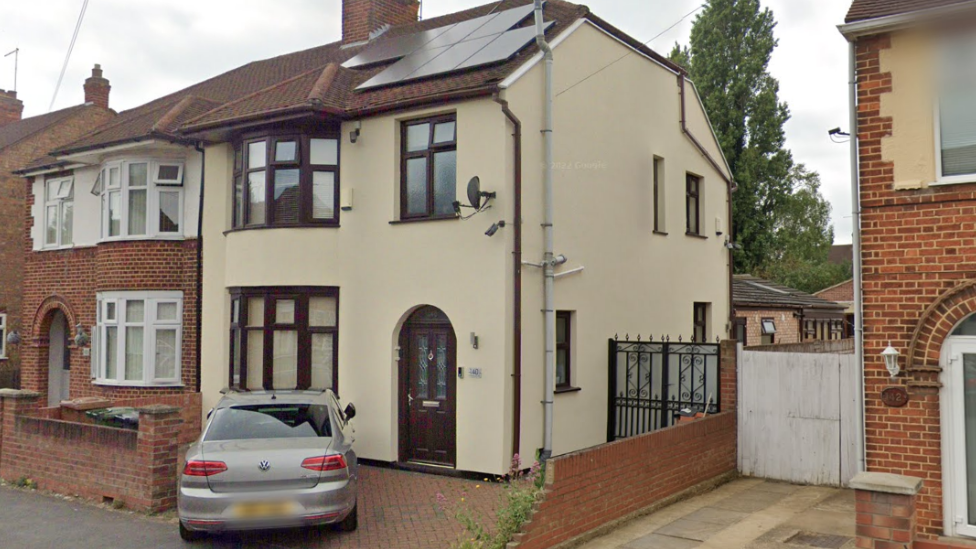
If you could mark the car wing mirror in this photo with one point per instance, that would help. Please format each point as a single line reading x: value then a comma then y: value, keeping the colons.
x: 350, y: 411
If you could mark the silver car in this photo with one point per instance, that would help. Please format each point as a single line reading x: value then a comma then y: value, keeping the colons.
x: 271, y: 459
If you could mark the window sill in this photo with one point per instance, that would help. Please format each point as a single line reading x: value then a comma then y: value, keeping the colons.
x: 110, y: 383
x: 953, y: 180
x: 564, y: 390
x: 142, y: 238
x: 424, y: 220
x: 267, y: 228
x: 662, y: 233
x: 696, y: 235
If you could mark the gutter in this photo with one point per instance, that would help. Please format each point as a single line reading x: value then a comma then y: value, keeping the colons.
x: 199, y: 281
x: 517, y: 279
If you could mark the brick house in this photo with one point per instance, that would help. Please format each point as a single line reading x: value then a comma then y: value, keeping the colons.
x: 768, y: 313
x: 842, y: 293
x: 21, y: 141
x: 915, y: 133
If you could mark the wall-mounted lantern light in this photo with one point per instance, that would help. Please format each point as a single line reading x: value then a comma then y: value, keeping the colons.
x: 890, y: 356
x: 357, y: 129
x: 81, y: 338
x: 13, y: 338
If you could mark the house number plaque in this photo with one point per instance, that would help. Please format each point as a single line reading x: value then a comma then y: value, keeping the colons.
x: 895, y: 397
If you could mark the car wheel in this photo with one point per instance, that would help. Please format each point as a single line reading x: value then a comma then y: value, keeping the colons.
x: 189, y: 535
x: 351, y: 522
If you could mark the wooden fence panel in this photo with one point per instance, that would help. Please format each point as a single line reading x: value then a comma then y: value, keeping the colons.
x: 798, y: 417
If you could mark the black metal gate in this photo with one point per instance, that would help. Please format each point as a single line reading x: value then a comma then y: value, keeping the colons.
x: 652, y: 382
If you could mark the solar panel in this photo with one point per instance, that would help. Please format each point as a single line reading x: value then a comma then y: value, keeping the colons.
x: 471, y: 43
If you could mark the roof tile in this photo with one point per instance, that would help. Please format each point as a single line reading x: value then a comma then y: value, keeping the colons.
x: 748, y: 290
x: 871, y: 9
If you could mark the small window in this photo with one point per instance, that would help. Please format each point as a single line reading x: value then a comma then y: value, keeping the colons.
x: 564, y: 358
x: 169, y: 174
x: 428, y: 169
x: 700, y: 333
x: 58, y: 212
x: 768, y: 331
x: 660, y: 226
x: 742, y: 330
x: 693, y: 205
x: 3, y: 335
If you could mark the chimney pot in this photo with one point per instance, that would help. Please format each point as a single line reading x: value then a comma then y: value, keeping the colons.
x: 97, y: 88
x: 361, y: 17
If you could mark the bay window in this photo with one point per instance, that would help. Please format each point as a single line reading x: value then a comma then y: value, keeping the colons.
x: 284, y: 338
x: 58, y: 212
x: 286, y: 181
x: 956, y: 131
x: 141, y: 199
x: 137, y: 338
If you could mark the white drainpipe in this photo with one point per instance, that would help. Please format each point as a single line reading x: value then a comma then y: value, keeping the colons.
x: 856, y: 214
x: 549, y: 266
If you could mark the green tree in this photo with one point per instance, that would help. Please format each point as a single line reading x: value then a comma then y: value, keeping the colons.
x: 778, y: 214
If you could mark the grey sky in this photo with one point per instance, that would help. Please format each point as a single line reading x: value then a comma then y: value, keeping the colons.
x: 152, y: 47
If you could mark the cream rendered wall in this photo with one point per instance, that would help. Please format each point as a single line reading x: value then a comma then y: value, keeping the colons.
x: 911, y: 104
x: 607, y: 131
x: 384, y: 271
x: 86, y: 225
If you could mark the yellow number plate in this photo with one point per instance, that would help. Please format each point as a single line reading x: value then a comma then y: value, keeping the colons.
x: 264, y: 509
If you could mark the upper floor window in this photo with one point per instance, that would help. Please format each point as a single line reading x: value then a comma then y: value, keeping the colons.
x: 141, y: 199
x: 660, y: 226
x: 138, y: 338
x: 3, y: 335
x: 564, y: 342
x: 428, y: 168
x: 957, y: 112
x: 693, y: 204
x: 59, y: 197
x: 286, y: 181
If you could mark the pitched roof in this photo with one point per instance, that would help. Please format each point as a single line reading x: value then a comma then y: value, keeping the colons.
x: 841, y: 253
x: 751, y: 291
x: 314, y: 81
x: 871, y: 9
x: 16, y: 132
x: 840, y: 292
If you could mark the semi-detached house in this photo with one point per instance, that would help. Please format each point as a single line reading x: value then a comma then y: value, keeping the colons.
x: 333, y: 252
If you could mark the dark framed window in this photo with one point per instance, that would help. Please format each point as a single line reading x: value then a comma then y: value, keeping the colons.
x: 659, y: 194
x: 428, y: 168
x: 767, y: 331
x: 742, y: 330
x: 564, y: 347
x: 701, y: 322
x: 286, y: 180
x: 693, y: 204
x: 284, y: 338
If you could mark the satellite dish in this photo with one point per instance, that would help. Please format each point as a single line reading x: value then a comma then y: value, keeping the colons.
x: 474, y: 192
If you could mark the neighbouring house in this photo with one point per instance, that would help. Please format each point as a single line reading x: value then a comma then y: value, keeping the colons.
x: 334, y: 255
x: 768, y: 313
x: 843, y: 294
x: 841, y: 254
x: 21, y: 141
x: 915, y: 63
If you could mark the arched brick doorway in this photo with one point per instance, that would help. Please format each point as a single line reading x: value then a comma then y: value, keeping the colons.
x: 46, y: 360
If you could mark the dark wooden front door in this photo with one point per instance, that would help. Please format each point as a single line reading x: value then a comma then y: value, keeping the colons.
x: 428, y: 390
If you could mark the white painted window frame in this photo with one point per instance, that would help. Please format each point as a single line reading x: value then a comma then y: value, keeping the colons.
x: 941, y: 179
x: 150, y: 325
x: 57, y: 202
x: 154, y: 188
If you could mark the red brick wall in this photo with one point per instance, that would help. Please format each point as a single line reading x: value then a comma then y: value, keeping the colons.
x: 139, y: 468
x: 918, y: 258
x: 361, y: 17
x: 787, y: 331
x: 587, y: 489
x: 13, y: 193
x: 69, y: 280
x: 841, y: 293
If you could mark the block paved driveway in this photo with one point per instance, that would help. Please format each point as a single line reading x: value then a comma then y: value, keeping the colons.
x: 397, y: 510
x: 744, y: 514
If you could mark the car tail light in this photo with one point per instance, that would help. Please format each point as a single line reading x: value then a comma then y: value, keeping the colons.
x: 325, y: 463
x: 200, y: 468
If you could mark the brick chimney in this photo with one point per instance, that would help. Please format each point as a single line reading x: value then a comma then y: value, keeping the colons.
x: 11, y: 108
x: 361, y: 17
x: 97, y: 88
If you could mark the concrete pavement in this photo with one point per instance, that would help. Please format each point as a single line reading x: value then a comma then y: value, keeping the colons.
x: 744, y: 514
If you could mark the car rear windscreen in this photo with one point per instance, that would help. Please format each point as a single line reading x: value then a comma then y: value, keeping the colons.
x: 270, y: 421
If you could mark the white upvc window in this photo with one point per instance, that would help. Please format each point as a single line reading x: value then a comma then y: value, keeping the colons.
x: 138, y: 339
x: 955, y: 120
x: 58, y: 212
x: 141, y: 199
x: 3, y: 335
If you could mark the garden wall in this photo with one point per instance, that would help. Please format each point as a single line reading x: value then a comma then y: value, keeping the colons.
x: 137, y: 468
x: 593, y: 488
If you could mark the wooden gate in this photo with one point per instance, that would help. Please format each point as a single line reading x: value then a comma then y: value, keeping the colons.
x: 799, y: 416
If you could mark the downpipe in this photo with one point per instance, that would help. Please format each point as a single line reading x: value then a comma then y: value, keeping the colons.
x: 856, y: 220
x: 548, y: 260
